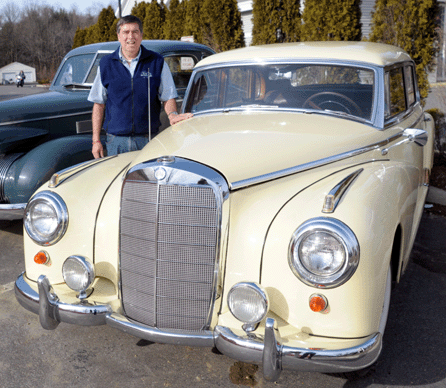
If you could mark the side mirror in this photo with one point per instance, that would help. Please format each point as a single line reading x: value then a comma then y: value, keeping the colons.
x: 412, y: 135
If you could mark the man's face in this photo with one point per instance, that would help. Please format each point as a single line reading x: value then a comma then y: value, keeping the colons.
x: 130, y: 38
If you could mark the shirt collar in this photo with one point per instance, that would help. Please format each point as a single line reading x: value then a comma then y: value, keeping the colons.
x: 122, y: 58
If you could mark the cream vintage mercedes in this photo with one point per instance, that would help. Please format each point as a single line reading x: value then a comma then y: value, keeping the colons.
x: 270, y: 226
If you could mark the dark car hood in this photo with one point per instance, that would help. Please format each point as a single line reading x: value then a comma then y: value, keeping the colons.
x: 17, y: 138
x: 43, y: 106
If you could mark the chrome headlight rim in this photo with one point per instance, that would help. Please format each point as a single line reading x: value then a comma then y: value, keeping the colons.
x: 88, y: 269
x: 56, y: 202
x: 343, y: 234
x: 263, y: 297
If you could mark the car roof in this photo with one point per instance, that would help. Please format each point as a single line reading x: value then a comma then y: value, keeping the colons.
x: 377, y: 54
x: 159, y: 46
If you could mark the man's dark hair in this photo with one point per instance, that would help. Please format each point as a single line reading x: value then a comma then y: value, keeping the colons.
x: 128, y: 19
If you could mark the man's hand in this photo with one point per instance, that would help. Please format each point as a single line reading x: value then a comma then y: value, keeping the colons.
x: 98, y: 150
x: 176, y: 118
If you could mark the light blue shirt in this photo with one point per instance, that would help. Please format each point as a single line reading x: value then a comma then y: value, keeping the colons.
x: 167, y: 89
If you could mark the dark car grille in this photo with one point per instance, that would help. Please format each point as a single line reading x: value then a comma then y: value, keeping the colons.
x: 169, y: 238
x: 5, y: 163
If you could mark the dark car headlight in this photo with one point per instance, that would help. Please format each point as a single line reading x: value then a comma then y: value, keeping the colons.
x: 324, y: 252
x: 46, y: 218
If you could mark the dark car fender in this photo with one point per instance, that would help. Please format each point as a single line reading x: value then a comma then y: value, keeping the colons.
x: 36, y: 167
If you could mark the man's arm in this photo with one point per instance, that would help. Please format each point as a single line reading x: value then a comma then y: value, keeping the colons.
x: 97, y: 118
x: 170, y: 107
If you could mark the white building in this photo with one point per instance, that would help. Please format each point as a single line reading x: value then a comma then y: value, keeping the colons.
x: 9, y: 72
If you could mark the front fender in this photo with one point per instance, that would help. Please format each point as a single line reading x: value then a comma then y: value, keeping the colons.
x: 33, y: 169
x: 381, y: 198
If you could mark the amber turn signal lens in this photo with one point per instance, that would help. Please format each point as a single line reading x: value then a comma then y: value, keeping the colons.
x: 318, y: 303
x: 41, y: 258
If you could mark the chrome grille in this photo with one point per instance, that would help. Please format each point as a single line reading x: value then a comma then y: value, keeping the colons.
x: 5, y: 163
x: 168, y: 251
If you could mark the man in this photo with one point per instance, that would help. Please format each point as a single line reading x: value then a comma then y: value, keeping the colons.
x: 120, y: 93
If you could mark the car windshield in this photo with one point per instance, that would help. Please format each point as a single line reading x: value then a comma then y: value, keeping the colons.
x: 79, y: 70
x: 331, y: 89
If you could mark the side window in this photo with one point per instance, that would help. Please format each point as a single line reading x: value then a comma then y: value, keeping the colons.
x: 410, y: 85
x: 395, y: 96
x: 181, y: 68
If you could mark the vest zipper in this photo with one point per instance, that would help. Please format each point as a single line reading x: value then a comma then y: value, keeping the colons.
x: 133, y: 108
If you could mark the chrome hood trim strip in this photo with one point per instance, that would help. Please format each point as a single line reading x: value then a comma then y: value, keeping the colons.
x: 88, y: 112
x: 310, y: 165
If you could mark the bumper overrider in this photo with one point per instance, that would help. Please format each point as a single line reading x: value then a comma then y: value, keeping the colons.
x: 268, y: 350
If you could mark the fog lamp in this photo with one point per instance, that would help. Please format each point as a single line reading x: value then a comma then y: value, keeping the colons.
x: 78, y: 274
x: 248, y: 302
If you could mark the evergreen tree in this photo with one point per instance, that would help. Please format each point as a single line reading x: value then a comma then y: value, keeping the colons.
x: 196, y: 22
x: 104, y: 25
x: 266, y: 21
x: 276, y: 21
x: 225, y: 23
x: 154, y: 20
x: 139, y: 10
x: 79, y: 37
x: 175, y: 17
x: 291, y: 20
x: 409, y: 24
x: 331, y: 20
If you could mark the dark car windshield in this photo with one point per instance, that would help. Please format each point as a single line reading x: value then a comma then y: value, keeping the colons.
x: 333, y: 89
x: 79, y: 69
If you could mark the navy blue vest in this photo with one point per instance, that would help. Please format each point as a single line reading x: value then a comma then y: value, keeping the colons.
x: 126, y: 109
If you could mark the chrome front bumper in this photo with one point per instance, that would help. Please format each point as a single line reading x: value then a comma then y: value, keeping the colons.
x: 12, y: 212
x: 268, y: 351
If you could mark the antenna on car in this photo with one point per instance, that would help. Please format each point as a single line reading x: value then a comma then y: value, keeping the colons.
x: 148, y: 103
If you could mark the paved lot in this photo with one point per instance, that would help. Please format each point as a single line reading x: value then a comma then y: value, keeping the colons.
x: 414, y: 352
x: 414, y: 344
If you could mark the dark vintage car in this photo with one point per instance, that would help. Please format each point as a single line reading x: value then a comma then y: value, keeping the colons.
x: 48, y: 132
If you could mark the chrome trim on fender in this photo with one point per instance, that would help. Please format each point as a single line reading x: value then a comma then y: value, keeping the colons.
x: 310, y: 165
x: 59, y: 177
x: 334, y: 196
x: 46, y: 118
x: 11, y: 212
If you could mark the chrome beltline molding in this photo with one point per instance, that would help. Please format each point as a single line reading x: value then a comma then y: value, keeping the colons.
x: 88, y: 112
x: 308, y: 166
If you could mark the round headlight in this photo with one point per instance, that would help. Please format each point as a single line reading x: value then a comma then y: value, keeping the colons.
x: 324, y: 253
x: 78, y: 273
x: 248, y: 302
x: 46, y: 218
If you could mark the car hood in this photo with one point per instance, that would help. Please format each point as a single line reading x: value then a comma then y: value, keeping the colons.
x: 246, y: 145
x: 44, y: 105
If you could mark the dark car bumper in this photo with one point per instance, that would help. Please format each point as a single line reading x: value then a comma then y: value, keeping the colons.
x: 268, y: 350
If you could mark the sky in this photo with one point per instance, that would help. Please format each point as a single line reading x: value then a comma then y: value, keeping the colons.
x: 83, y: 6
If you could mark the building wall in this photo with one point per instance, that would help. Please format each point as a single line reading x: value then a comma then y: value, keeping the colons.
x: 9, y: 72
